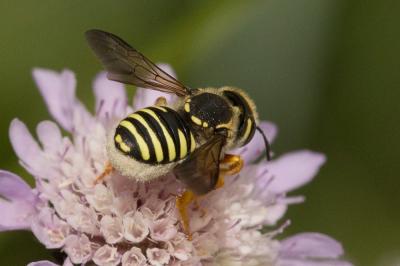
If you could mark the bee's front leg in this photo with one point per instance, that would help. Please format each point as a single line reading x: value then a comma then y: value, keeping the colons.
x: 107, y: 170
x: 230, y: 165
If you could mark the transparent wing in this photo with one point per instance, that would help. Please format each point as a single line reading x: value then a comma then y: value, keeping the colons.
x: 200, y: 171
x: 127, y: 65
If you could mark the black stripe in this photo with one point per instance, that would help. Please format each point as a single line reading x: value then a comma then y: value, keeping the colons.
x: 183, y: 126
x: 186, y: 131
x: 172, y: 123
x: 146, y: 136
x: 159, y: 134
x: 130, y: 141
x: 171, y: 126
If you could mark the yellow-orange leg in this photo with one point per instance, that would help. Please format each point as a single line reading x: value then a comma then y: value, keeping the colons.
x: 182, y: 203
x: 107, y: 170
x: 230, y: 165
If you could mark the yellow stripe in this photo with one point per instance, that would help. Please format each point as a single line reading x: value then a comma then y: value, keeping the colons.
x: 144, y: 149
x: 122, y: 144
x: 161, y: 108
x: 124, y: 147
x: 187, y: 107
x: 248, y: 129
x: 118, y: 138
x: 192, y: 143
x: 156, y: 142
x: 183, y: 143
x: 170, y: 142
x: 196, y: 120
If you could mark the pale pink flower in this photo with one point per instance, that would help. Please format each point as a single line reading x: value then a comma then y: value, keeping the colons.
x: 123, y: 222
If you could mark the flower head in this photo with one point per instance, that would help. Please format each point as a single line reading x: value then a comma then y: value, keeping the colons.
x: 124, y: 222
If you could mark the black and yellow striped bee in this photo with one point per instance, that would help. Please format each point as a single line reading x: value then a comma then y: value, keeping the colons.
x: 189, y: 137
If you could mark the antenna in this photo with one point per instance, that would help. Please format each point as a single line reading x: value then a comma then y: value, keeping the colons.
x: 267, y: 146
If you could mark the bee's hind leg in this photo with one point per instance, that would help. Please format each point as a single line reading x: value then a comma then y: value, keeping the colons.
x: 182, y: 203
x: 230, y: 165
x: 107, y: 170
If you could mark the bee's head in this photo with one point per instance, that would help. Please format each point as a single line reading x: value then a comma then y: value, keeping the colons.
x: 245, y: 112
x: 247, y: 116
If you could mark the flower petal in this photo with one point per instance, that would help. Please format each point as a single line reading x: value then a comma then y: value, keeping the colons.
x: 67, y: 262
x: 311, y: 245
x: 26, y: 148
x: 162, y: 230
x: 111, y: 228
x: 19, y: 207
x: 146, y: 97
x: 13, y: 187
x: 157, y: 257
x: 135, y: 227
x: 293, y: 170
x: 107, y: 255
x: 49, y: 135
x: 275, y: 213
x: 79, y: 249
x: 58, y: 91
x: 49, y: 229
x: 110, y: 97
x: 311, y: 249
x: 42, y: 263
x: 256, y: 146
x: 101, y: 198
x: 180, y: 247
x: 15, y: 215
x: 133, y: 257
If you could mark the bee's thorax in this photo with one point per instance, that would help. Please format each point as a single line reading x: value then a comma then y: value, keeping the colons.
x: 210, y: 110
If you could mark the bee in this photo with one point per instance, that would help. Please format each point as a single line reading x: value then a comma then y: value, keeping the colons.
x: 189, y: 137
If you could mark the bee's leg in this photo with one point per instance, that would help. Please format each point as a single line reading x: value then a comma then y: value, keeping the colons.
x: 107, y: 170
x: 220, y: 182
x: 161, y: 101
x: 230, y: 165
x: 182, y: 203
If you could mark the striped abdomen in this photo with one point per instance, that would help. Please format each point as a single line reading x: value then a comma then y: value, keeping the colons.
x: 154, y: 135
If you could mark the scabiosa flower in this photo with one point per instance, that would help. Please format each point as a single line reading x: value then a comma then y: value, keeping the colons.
x: 124, y: 222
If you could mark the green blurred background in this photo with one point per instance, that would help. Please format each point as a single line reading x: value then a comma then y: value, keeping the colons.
x: 326, y: 72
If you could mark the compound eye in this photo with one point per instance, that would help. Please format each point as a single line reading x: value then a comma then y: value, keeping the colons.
x: 247, y: 126
x: 248, y: 129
